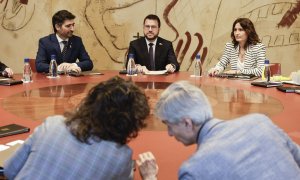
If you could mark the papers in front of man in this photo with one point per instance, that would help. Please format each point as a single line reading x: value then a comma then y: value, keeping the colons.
x: 12, y: 129
x: 291, y: 82
x: 162, y: 72
x: 8, y: 149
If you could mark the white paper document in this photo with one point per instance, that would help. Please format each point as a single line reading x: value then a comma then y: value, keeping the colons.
x: 156, y: 72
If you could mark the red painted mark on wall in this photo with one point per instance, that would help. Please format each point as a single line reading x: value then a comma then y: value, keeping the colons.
x: 166, y: 16
x: 24, y: 1
x: 290, y: 16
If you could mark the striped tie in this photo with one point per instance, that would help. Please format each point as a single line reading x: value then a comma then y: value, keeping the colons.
x: 64, y: 51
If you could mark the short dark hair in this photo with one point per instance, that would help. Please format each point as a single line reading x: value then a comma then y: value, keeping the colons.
x: 60, y: 16
x: 153, y: 17
x: 114, y: 110
x: 248, y: 27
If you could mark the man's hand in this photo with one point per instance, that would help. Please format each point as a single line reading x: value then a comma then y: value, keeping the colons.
x: 8, y: 72
x: 67, y: 67
x: 141, y: 69
x: 170, y: 68
x: 147, y: 166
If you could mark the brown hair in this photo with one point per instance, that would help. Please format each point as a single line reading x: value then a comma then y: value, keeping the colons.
x: 153, y: 17
x: 114, y: 110
x: 248, y: 27
x: 60, y: 16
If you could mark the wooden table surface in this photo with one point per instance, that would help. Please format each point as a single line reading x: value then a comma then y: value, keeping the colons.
x: 29, y: 104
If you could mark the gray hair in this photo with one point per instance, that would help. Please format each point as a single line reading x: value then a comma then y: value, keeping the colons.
x: 183, y: 100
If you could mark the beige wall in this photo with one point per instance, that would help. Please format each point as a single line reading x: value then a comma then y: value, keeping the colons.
x: 107, y: 26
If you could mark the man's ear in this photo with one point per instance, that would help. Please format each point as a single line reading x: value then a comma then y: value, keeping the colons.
x: 57, y: 27
x: 188, y: 122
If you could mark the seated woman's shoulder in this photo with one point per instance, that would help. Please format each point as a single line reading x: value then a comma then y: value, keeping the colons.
x: 229, y: 44
x: 259, y: 45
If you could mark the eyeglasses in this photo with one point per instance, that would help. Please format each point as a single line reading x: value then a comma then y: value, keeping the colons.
x: 148, y: 27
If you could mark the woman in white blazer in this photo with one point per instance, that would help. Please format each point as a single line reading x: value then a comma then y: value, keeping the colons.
x: 245, y: 54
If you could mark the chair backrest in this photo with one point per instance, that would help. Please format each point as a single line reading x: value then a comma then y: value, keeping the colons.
x: 32, y: 65
x: 275, y: 68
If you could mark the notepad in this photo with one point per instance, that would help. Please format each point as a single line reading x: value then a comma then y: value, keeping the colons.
x: 10, y: 82
x: 12, y: 129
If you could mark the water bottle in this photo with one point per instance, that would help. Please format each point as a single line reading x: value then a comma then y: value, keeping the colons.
x: 131, y: 69
x: 266, y: 74
x: 198, y: 66
x: 27, y: 75
x: 53, y: 67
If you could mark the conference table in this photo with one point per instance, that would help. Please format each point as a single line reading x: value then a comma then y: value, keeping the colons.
x: 28, y: 104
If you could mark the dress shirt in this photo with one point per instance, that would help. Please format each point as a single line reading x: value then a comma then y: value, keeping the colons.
x: 60, y: 41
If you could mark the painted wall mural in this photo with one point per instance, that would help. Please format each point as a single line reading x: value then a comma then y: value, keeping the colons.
x: 15, y: 14
x: 107, y: 27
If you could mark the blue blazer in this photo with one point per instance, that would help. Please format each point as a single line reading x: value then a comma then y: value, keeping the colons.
x: 49, y: 45
x: 249, y: 147
x: 164, y: 53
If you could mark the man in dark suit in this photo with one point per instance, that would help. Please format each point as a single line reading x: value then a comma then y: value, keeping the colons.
x: 5, y: 71
x: 152, y: 52
x: 66, y: 46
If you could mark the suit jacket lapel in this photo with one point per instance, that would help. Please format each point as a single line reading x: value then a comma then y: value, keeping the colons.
x: 56, y: 46
x: 145, y: 52
x: 248, y: 54
x: 69, y: 48
x: 158, y: 49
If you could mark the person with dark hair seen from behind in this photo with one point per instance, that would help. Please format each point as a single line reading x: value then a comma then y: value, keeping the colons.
x: 66, y: 46
x: 249, y: 147
x: 152, y: 52
x: 245, y: 54
x: 89, y: 143
x: 5, y: 71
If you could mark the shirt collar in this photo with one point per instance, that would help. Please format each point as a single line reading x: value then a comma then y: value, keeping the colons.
x: 60, y: 39
x: 154, y: 42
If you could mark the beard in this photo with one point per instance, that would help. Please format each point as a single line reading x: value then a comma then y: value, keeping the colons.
x: 70, y: 34
x: 150, y: 38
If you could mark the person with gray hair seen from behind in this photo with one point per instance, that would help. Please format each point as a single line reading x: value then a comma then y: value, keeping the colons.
x: 249, y: 147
